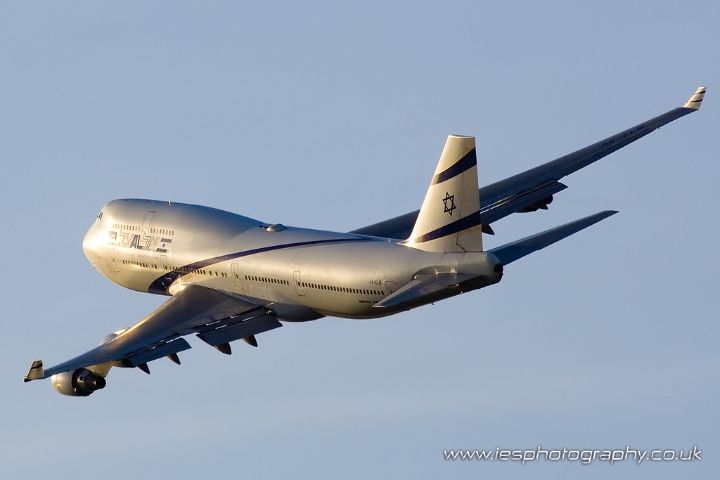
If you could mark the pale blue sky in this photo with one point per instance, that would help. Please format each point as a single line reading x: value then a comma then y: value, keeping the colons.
x: 333, y: 116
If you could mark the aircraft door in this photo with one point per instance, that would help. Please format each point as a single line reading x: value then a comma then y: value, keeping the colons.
x: 145, y: 237
x: 113, y: 261
x: 390, y: 286
x: 235, y: 272
x: 298, y: 285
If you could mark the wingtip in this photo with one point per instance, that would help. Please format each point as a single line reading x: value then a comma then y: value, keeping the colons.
x: 696, y: 100
x: 604, y: 214
x: 37, y: 372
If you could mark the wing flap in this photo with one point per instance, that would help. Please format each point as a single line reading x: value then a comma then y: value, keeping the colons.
x: 254, y: 326
x: 174, y: 346
x: 527, y: 198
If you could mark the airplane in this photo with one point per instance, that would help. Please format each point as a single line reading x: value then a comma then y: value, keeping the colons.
x: 231, y: 277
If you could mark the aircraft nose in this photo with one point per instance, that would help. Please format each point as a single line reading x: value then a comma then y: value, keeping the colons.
x: 90, y: 243
x: 86, y: 241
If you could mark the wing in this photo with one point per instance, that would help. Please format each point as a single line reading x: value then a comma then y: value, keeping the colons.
x: 215, y: 316
x: 533, y: 189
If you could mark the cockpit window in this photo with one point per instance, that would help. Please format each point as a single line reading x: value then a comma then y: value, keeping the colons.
x: 99, y: 217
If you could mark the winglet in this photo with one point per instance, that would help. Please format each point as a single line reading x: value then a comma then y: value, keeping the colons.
x: 696, y: 100
x: 37, y: 372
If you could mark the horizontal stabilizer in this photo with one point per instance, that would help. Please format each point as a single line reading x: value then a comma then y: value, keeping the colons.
x: 516, y: 250
x: 423, y: 286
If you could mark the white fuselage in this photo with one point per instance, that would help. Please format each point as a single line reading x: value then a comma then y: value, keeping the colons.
x: 300, y: 274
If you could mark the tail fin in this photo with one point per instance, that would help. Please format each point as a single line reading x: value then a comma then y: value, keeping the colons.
x: 449, y: 220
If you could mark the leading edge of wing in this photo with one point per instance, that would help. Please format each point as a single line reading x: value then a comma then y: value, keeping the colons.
x: 496, y: 197
x: 572, y: 162
x: 191, y: 307
x: 510, y: 252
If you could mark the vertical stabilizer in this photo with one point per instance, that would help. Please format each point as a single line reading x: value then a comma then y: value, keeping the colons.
x: 449, y: 220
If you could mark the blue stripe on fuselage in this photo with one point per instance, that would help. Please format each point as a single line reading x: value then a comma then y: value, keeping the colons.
x: 161, y: 284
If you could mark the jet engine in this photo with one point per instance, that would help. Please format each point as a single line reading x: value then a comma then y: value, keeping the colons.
x: 80, y: 383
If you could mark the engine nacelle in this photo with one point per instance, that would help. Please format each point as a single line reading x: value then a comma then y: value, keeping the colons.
x: 111, y: 336
x: 541, y: 205
x: 80, y: 383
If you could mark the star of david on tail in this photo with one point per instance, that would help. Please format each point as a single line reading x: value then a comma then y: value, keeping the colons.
x: 449, y: 198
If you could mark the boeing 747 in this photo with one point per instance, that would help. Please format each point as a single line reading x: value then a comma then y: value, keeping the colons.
x: 230, y: 277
